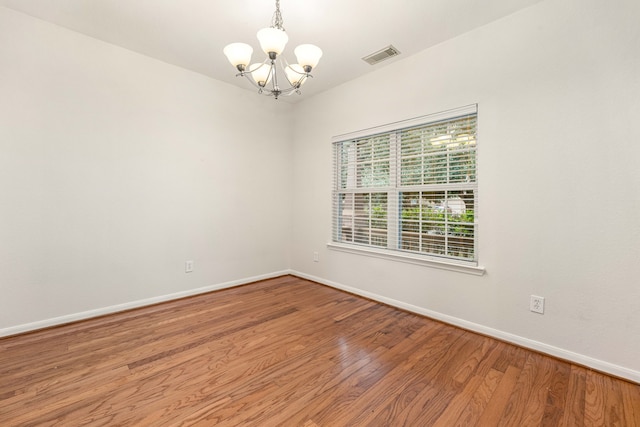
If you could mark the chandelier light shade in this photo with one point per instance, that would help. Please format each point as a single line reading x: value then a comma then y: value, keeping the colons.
x: 239, y: 54
x: 308, y: 55
x: 272, y: 40
x: 268, y: 75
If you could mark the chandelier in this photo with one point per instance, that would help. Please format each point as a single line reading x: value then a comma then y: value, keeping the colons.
x: 265, y: 76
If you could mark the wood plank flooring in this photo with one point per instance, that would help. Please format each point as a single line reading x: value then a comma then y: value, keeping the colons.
x: 288, y: 352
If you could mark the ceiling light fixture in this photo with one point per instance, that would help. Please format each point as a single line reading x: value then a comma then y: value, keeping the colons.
x: 272, y: 41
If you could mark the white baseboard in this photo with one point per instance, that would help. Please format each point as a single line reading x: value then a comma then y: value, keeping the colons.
x: 599, y: 365
x: 47, y: 323
x: 580, y: 359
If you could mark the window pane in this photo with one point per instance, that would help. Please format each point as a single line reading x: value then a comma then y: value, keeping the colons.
x: 346, y: 151
x: 462, y: 166
x: 363, y: 218
x: 438, y: 222
x: 410, y: 224
x: 379, y: 219
x: 461, y: 223
x: 439, y: 153
x: 411, y: 171
x: 435, y: 169
x: 363, y: 163
x: 344, y: 225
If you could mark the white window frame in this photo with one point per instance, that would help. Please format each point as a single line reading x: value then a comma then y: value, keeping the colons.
x: 393, y: 191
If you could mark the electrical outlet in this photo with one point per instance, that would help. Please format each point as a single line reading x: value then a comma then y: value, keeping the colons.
x: 316, y: 257
x: 537, y: 304
x: 188, y: 266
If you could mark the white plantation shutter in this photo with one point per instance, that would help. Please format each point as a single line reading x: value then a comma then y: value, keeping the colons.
x: 409, y: 187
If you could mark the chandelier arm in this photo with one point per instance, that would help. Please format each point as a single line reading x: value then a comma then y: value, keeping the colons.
x: 247, y: 74
x: 264, y: 90
x: 284, y: 68
x: 290, y: 91
x: 275, y: 88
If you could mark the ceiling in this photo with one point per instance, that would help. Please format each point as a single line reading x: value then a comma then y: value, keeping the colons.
x: 192, y: 33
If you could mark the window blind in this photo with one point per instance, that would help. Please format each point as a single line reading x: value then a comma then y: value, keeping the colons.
x: 410, y: 188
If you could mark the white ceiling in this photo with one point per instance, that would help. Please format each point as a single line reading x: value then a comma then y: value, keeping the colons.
x: 192, y: 33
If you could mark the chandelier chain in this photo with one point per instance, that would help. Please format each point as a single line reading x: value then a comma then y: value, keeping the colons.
x: 276, y: 21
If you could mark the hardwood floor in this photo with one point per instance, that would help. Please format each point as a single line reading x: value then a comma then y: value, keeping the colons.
x: 288, y: 352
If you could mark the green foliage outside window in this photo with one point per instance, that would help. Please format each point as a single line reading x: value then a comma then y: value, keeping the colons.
x: 434, y: 221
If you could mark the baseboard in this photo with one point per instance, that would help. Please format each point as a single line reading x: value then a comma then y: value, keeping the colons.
x: 596, y: 364
x: 56, y: 321
x: 580, y: 359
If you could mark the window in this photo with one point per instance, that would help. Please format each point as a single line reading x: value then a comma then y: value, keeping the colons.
x: 409, y: 188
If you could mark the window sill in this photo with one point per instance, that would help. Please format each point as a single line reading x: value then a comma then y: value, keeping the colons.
x: 461, y: 267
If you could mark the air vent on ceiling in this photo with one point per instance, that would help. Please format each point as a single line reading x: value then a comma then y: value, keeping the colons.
x: 381, y: 55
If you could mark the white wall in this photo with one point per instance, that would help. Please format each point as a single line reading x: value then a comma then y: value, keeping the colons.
x: 558, y: 89
x: 116, y: 168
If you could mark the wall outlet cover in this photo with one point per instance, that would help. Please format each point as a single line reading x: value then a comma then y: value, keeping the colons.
x: 536, y: 304
x: 188, y: 266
